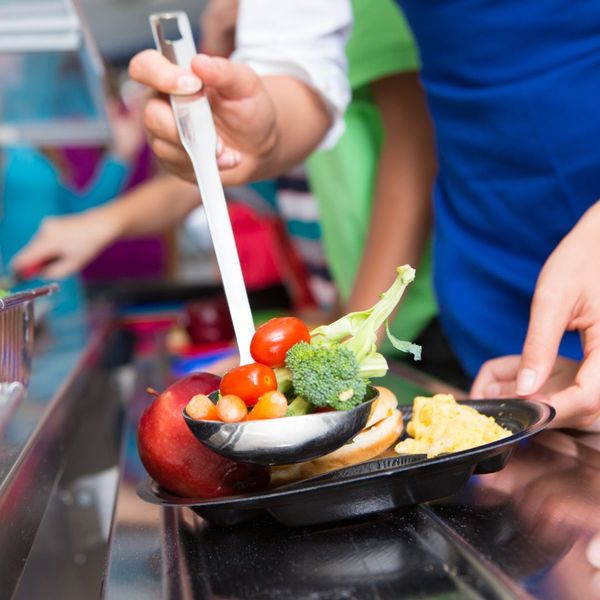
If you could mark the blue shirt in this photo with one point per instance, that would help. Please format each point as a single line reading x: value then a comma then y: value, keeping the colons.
x: 514, y: 92
x: 31, y: 189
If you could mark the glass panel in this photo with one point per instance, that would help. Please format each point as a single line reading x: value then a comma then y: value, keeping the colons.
x: 38, y: 25
x: 51, y: 90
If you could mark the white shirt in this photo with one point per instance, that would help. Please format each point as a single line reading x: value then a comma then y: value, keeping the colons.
x: 302, y: 38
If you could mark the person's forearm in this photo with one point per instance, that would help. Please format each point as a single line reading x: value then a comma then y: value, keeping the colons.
x: 151, y: 207
x: 302, y: 121
x: 401, y: 216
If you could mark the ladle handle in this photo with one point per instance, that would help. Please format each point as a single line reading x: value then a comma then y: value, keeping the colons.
x: 173, y: 38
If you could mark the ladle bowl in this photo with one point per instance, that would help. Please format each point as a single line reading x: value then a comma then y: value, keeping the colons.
x: 286, y: 440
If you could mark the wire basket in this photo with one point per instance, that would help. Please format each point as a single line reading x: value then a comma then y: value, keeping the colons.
x: 16, y: 340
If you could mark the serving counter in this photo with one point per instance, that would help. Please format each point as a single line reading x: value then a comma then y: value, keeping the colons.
x: 72, y: 525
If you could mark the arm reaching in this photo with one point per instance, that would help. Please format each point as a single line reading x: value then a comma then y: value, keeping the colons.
x: 71, y: 242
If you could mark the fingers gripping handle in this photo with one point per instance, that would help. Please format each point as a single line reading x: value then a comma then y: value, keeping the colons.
x: 173, y: 38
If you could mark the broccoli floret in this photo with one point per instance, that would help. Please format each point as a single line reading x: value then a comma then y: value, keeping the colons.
x: 326, y: 376
x: 335, y: 368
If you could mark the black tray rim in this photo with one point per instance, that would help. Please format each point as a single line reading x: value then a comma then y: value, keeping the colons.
x: 546, y: 413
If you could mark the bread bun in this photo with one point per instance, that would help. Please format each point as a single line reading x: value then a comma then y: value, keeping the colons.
x: 383, y: 429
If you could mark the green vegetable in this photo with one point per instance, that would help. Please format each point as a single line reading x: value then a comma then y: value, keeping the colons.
x: 358, y: 330
x: 4, y: 293
x: 326, y: 376
x: 403, y: 345
x: 298, y: 407
x: 335, y: 368
x: 284, y: 380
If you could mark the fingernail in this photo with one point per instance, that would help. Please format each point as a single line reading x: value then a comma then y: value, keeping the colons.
x: 188, y: 84
x: 526, y: 381
x: 492, y: 390
x: 219, y: 146
x: 593, y: 552
x: 237, y: 158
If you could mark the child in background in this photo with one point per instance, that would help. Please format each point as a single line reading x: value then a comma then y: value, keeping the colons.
x: 34, y: 187
x: 382, y: 164
x: 381, y: 171
x: 309, y: 279
x: 159, y: 204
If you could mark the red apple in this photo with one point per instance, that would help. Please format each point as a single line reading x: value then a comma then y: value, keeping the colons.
x: 177, y: 461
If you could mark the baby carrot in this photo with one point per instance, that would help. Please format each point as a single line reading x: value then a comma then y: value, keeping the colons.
x: 201, y: 408
x: 231, y: 408
x: 271, y: 405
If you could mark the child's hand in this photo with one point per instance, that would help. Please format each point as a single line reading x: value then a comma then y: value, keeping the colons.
x: 497, y: 378
x: 70, y: 243
x: 567, y: 298
x: 243, y: 111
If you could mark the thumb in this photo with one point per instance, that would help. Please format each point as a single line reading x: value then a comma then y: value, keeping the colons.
x: 547, y: 324
x: 151, y: 68
x: 231, y: 80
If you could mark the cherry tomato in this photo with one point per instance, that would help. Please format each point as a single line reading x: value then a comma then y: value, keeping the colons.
x: 249, y: 382
x: 201, y: 408
x: 275, y: 337
x: 271, y: 405
x: 231, y: 408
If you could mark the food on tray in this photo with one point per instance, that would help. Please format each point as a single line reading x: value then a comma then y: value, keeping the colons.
x: 231, y: 409
x: 440, y: 424
x: 328, y: 368
x: 334, y: 369
x: 274, y: 338
x: 176, y: 460
x: 249, y: 382
x: 383, y: 429
x: 201, y: 407
x: 271, y: 405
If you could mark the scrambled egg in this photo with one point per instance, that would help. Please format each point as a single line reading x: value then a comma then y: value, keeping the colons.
x: 440, y: 425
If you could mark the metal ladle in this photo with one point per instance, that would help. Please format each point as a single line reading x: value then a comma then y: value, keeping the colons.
x: 173, y: 38
x: 286, y: 440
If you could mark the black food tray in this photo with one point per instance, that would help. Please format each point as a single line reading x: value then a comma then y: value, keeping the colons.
x: 376, y: 485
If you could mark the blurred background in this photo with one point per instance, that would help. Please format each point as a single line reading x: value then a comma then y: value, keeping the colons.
x: 84, y: 202
x: 76, y: 176
x: 120, y: 27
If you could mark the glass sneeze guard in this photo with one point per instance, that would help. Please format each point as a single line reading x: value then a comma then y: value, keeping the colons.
x: 51, y: 89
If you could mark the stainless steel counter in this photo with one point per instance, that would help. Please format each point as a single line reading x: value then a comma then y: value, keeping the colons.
x: 35, y: 434
x: 520, y: 533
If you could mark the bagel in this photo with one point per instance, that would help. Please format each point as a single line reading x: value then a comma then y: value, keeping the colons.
x: 384, y: 427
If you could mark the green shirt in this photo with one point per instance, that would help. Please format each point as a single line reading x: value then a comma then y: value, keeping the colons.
x: 381, y: 43
x: 343, y: 178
